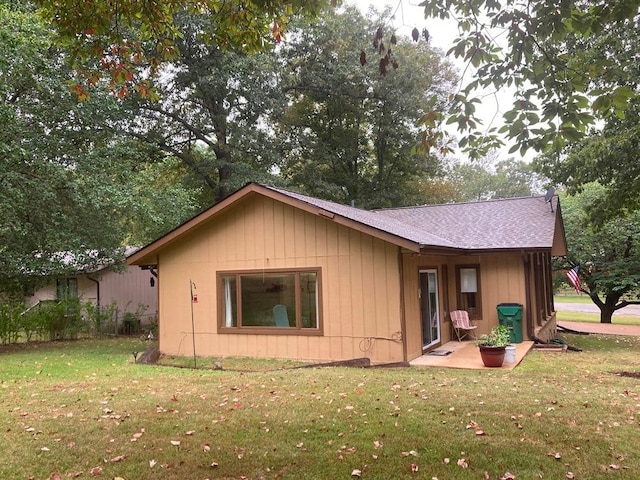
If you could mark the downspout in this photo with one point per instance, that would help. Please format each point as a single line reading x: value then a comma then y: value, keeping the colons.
x: 97, y: 282
x: 527, y: 290
x: 403, y: 319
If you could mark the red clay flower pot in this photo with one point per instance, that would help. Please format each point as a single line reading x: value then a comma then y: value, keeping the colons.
x: 492, y: 356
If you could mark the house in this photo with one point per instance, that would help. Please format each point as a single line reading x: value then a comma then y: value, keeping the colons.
x: 272, y: 273
x: 128, y: 291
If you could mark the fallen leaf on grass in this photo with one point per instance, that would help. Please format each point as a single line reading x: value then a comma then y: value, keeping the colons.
x: 463, y: 463
x: 152, y: 463
x: 119, y: 458
x: 508, y: 476
x: 356, y: 473
x: 96, y: 471
x: 570, y: 475
x: 175, y: 443
x: 555, y: 455
x: 414, y: 468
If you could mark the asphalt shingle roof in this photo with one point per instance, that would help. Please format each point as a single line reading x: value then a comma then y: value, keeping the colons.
x: 513, y: 223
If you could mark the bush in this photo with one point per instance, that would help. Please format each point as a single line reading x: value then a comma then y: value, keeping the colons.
x: 10, y: 321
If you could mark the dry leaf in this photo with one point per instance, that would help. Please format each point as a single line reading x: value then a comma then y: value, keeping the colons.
x: 214, y: 464
x: 479, y: 432
x: 96, y: 471
x: 414, y: 468
x: 446, y: 461
x: 175, y: 442
x: 462, y: 463
x: 191, y: 432
x: 508, y: 476
x: 206, y: 447
x: 356, y: 473
x: 570, y: 475
x: 119, y: 458
x: 55, y: 476
x: 555, y: 455
x: 152, y: 463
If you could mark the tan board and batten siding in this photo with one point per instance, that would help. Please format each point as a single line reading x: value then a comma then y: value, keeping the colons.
x: 501, y: 280
x: 360, y: 300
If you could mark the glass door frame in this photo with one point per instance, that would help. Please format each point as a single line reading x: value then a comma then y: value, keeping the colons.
x: 432, y: 336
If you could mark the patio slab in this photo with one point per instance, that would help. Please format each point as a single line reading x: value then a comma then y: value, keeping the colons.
x: 466, y: 355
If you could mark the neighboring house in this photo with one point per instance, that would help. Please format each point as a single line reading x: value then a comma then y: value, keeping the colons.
x: 129, y: 290
x: 271, y: 273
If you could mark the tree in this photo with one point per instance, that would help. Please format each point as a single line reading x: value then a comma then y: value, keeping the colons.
x: 349, y: 132
x: 489, y: 178
x: 215, y: 111
x: 537, y: 49
x: 608, y: 254
x: 66, y: 177
x: 608, y: 155
x: 116, y: 36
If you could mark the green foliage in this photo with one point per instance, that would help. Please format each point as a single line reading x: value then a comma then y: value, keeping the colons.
x: 543, y: 51
x: 609, y: 252
x: 488, y: 178
x: 127, y: 40
x: 497, y: 337
x: 70, y: 182
x: 348, y: 133
x: 10, y: 321
x: 47, y: 320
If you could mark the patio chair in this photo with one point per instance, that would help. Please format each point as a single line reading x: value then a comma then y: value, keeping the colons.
x: 462, y: 325
x: 280, y: 316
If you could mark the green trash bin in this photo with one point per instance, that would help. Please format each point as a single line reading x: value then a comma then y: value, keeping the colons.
x: 510, y: 315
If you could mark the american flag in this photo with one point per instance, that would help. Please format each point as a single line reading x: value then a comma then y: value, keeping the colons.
x: 574, y: 278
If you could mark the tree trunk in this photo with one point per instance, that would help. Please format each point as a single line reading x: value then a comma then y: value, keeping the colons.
x: 606, y: 315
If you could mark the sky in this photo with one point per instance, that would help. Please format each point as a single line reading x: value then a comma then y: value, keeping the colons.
x: 409, y: 15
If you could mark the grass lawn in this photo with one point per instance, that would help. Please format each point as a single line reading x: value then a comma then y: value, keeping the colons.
x: 572, y: 298
x: 589, y: 317
x: 72, y: 408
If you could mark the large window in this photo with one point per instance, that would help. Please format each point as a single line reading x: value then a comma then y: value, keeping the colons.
x: 468, y: 282
x: 273, y: 301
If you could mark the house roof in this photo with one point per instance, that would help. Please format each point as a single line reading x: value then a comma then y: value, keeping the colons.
x: 508, y: 224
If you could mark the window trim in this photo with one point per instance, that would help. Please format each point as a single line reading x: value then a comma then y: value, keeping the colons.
x: 297, y: 330
x: 475, y: 313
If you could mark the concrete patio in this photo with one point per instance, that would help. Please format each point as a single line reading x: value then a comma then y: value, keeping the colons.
x: 466, y: 355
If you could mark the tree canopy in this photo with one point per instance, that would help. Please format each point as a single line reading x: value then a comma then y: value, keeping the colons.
x: 348, y: 132
x: 608, y: 254
x: 537, y: 49
x: 129, y: 39
x: 69, y: 182
x: 608, y: 155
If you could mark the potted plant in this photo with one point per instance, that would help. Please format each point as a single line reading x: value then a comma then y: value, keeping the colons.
x: 493, y: 345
